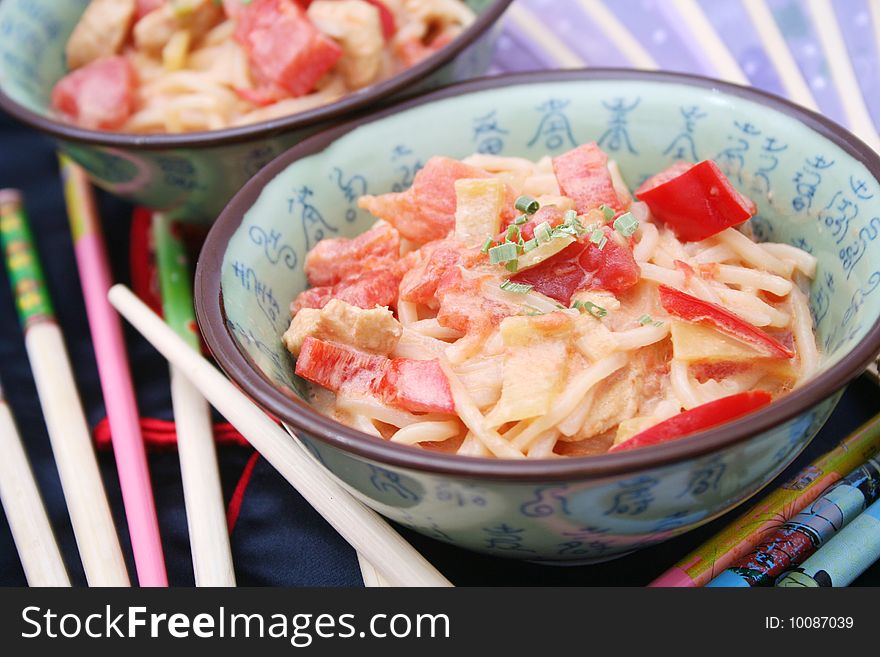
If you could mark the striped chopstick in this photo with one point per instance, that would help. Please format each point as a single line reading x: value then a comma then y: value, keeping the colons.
x: 81, y: 482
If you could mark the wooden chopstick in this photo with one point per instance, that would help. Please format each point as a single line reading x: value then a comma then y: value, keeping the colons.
x: 31, y: 531
x: 395, y: 559
x: 81, y: 481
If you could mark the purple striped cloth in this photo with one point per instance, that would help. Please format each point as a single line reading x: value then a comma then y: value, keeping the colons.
x: 657, y: 25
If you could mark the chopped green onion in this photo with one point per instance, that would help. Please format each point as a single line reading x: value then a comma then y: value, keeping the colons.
x: 626, y: 224
x: 502, y: 253
x: 512, y: 266
x: 527, y: 204
x: 645, y: 319
x: 542, y: 232
x: 486, y: 245
x: 529, y: 245
x: 598, y: 238
x: 594, y: 310
x: 658, y: 324
x: 570, y: 216
x: 512, y: 231
x: 607, y: 212
x: 578, y: 305
x: 519, y: 288
x: 520, y: 220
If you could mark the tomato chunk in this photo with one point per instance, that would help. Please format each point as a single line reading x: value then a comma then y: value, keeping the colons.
x: 692, y: 309
x: 417, y: 385
x: 144, y: 7
x: 367, y: 289
x: 333, y: 260
x: 98, y: 96
x: 339, y: 368
x: 583, y: 176
x: 283, y: 46
x: 698, y: 418
x: 583, y: 265
x: 426, y: 211
x: 697, y: 203
x: 420, y: 283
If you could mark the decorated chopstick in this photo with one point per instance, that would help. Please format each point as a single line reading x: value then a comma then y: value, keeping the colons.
x: 81, y: 482
x: 844, y: 557
x: 743, y: 534
x: 203, y: 495
x: 31, y: 531
x: 842, y: 73
x: 794, y: 541
x: 779, y: 53
x: 395, y: 559
x: 116, y: 384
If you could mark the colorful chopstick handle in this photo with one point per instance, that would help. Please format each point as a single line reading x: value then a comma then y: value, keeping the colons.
x: 174, y: 279
x: 845, y: 557
x: 798, y: 538
x: 25, y: 272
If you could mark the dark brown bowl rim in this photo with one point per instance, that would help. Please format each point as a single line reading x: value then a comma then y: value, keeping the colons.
x: 349, y: 104
x: 299, y: 415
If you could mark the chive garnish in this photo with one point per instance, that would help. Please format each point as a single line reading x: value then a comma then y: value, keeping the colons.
x: 598, y: 238
x: 626, y: 224
x: 512, y: 232
x: 529, y: 245
x: 542, y: 232
x: 519, y: 288
x: 502, y: 253
x: 527, y: 204
x: 512, y: 265
x: 520, y: 220
x: 486, y: 245
x: 594, y: 310
x: 645, y: 319
x: 607, y: 212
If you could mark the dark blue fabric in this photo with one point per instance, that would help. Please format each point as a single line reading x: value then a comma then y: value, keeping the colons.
x: 279, y: 539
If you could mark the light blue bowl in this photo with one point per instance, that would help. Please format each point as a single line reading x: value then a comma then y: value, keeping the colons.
x: 816, y: 187
x: 192, y: 175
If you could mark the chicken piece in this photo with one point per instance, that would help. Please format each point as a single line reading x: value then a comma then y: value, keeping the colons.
x: 357, y: 26
x: 592, y: 338
x: 101, y: 31
x: 616, y: 399
x: 374, y: 330
x: 155, y: 30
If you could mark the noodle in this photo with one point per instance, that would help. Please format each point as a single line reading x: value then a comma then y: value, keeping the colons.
x: 549, y: 355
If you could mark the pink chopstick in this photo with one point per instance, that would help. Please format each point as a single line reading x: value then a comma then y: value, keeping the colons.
x: 116, y: 383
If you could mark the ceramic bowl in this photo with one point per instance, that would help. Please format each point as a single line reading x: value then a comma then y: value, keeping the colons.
x: 816, y: 186
x: 192, y: 175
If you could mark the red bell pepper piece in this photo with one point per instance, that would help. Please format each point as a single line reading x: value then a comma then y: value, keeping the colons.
x: 698, y: 418
x: 697, y: 203
x: 692, y: 309
x: 583, y: 265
